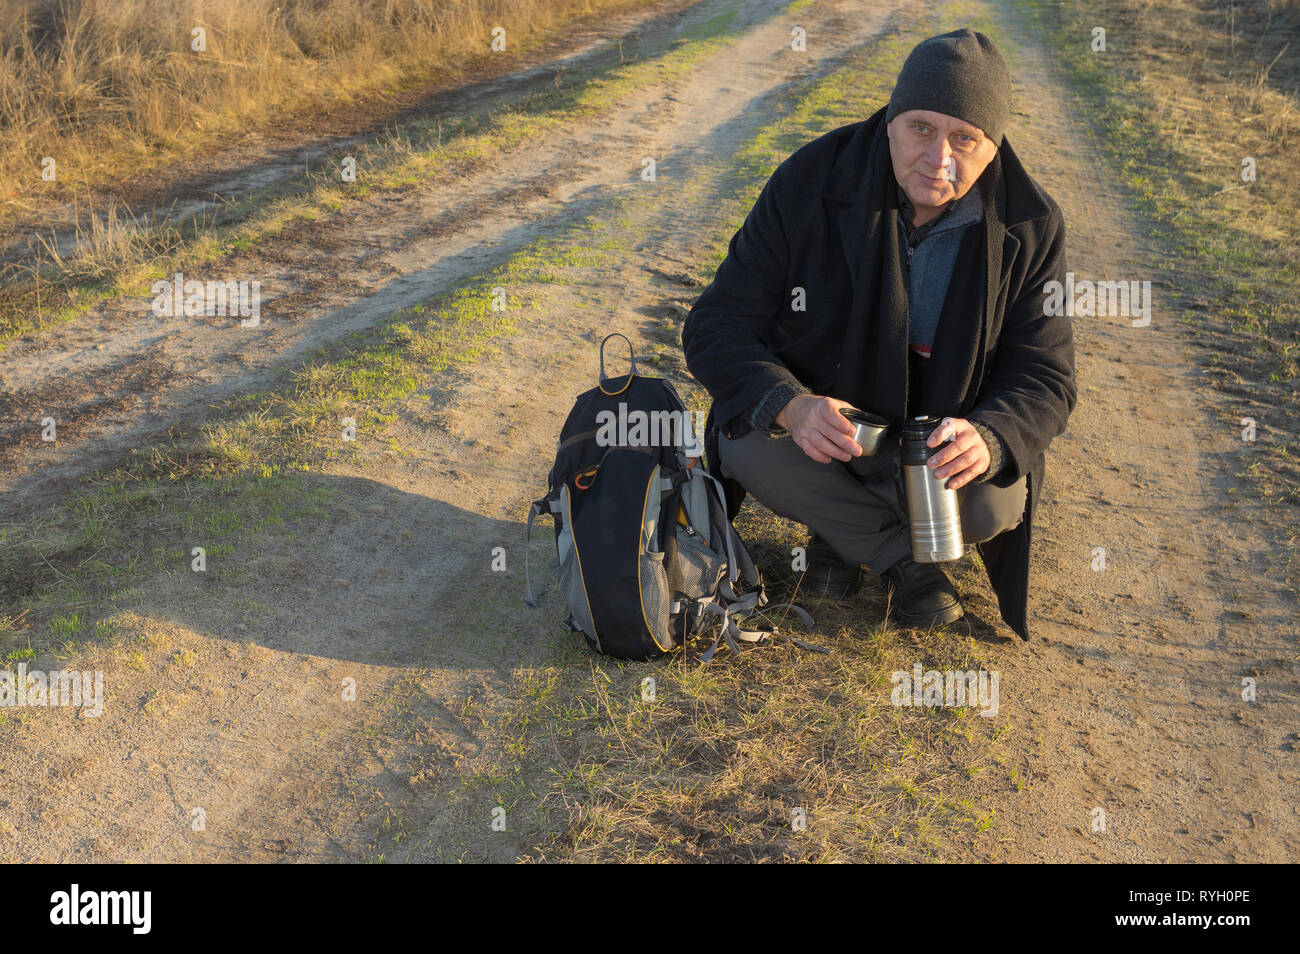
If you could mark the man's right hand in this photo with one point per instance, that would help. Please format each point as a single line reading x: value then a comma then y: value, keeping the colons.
x: 819, y: 428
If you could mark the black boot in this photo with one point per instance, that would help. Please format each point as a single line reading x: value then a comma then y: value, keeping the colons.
x: 922, y: 594
x: 827, y: 575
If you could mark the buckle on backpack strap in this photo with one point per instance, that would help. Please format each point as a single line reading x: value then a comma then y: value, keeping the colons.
x: 671, y: 481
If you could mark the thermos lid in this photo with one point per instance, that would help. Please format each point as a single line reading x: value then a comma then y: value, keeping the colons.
x: 919, y: 427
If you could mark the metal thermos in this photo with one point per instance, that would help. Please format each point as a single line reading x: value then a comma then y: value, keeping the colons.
x: 932, y: 513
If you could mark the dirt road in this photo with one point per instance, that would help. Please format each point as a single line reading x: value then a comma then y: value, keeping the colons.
x: 1131, y: 701
x: 233, y: 699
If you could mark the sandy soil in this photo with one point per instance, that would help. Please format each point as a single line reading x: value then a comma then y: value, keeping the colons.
x: 1128, y: 699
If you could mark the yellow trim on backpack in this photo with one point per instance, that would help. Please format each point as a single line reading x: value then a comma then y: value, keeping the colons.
x: 601, y: 385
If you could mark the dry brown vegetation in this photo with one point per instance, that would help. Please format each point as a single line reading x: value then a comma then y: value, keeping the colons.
x: 103, y: 85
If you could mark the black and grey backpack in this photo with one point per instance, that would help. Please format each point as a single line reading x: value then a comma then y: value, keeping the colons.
x: 647, y: 555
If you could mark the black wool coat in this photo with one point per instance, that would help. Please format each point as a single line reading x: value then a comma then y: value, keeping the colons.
x: 825, y: 223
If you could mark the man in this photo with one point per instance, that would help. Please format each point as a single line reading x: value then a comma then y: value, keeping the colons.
x: 896, y: 265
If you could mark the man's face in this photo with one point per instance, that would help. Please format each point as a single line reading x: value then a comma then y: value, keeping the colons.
x: 936, y: 158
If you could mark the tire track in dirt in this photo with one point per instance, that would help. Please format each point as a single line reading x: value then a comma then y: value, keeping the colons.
x: 266, y: 159
x: 1129, y: 698
x: 321, y: 281
x: 393, y: 588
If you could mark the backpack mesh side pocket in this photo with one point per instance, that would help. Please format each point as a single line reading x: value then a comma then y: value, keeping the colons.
x: 698, y: 567
x: 654, y: 594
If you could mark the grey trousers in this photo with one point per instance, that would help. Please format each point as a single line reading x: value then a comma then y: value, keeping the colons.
x: 858, y: 508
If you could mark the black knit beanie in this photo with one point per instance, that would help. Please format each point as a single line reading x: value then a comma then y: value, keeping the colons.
x: 958, y: 74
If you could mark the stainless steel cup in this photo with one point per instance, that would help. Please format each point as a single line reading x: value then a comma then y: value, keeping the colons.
x: 869, y: 430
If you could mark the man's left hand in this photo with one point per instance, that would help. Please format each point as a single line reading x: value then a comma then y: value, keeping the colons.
x: 964, y: 459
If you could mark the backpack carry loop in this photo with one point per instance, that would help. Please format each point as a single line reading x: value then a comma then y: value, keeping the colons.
x: 631, y: 357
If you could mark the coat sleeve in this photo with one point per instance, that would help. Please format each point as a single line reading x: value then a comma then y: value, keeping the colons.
x: 1030, y: 390
x: 726, y: 334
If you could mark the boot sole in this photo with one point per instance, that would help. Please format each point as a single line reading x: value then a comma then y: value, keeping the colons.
x: 930, y: 621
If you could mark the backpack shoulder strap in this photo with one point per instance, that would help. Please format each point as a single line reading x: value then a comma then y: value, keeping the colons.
x: 747, y: 605
x: 739, y: 563
x: 547, y: 505
x: 731, y: 606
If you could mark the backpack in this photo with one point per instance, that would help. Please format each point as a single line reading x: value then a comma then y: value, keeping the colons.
x: 647, y: 555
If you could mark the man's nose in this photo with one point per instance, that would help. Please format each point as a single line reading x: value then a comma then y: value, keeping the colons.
x: 940, y: 159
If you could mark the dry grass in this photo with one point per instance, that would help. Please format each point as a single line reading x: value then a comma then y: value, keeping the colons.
x: 775, y: 755
x: 112, y: 247
x: 106, y: 86
x: 717, y: 765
